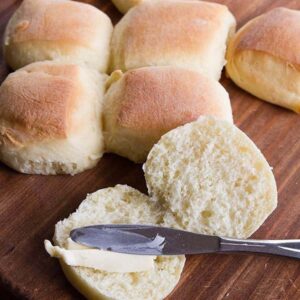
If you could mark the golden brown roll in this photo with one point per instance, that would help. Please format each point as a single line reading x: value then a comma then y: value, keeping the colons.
x: 143, y: 104
x: 60, y: 30
x: 264, y: 57
x: 189, y: 34
x: 50, y: 119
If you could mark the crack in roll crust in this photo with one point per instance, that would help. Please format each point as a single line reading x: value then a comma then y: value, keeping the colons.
x: 263, y: 57
x: 276, y: 33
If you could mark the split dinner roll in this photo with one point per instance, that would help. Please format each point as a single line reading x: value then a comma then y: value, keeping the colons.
x: 143, y: 104
x: 124, y: 5
x: 121, y: 205
x: 212, y: 179
x: 264, y: 58
x: 60, y: 30
x: 50, y: 119
x: 189, y: 34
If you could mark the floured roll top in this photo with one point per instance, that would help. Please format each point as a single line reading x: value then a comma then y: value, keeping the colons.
x: 60, y: 30
x: 188, y: 34
x: 264, y: 57
x: 50, y: 118
x: 143, y: 104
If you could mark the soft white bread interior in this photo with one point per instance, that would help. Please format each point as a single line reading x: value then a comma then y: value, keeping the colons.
x: 212, y: 178
x: 60, y: 30
x: 189, y: 34
x: 50, y: 118
x: 264, y: 57
x: 124, y: 5
x: 143, y: 104
x: 122, y: 205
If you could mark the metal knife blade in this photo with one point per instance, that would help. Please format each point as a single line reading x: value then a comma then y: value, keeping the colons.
x: 144, y: 240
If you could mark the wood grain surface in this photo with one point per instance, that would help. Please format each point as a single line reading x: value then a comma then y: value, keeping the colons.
x: 31, y: 205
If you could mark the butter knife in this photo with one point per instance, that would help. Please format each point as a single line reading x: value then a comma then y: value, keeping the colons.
x: 155, y: 240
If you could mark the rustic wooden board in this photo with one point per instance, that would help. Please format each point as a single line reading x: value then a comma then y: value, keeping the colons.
x: 31, y: 205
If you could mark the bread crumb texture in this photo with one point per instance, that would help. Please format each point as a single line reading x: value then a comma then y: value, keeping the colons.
x: 212, y: 178
x: 119, y: 205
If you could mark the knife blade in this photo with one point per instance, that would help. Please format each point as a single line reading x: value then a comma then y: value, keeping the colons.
x: 156, y: 240
x: 144, y: 240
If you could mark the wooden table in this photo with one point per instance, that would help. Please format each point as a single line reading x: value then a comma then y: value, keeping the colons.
x: 31, y: 205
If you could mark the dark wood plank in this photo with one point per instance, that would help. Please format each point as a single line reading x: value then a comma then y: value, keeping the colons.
x: 31, y: 205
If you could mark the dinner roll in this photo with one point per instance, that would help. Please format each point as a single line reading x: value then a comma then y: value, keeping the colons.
x: 121, y: 205
x: 124, y: 5
x: 50, y: 119
x: 143, y: 104
x: 264, y: 57
x: 212, y: 178
x: 190, y: 34
x: 60, y: 30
